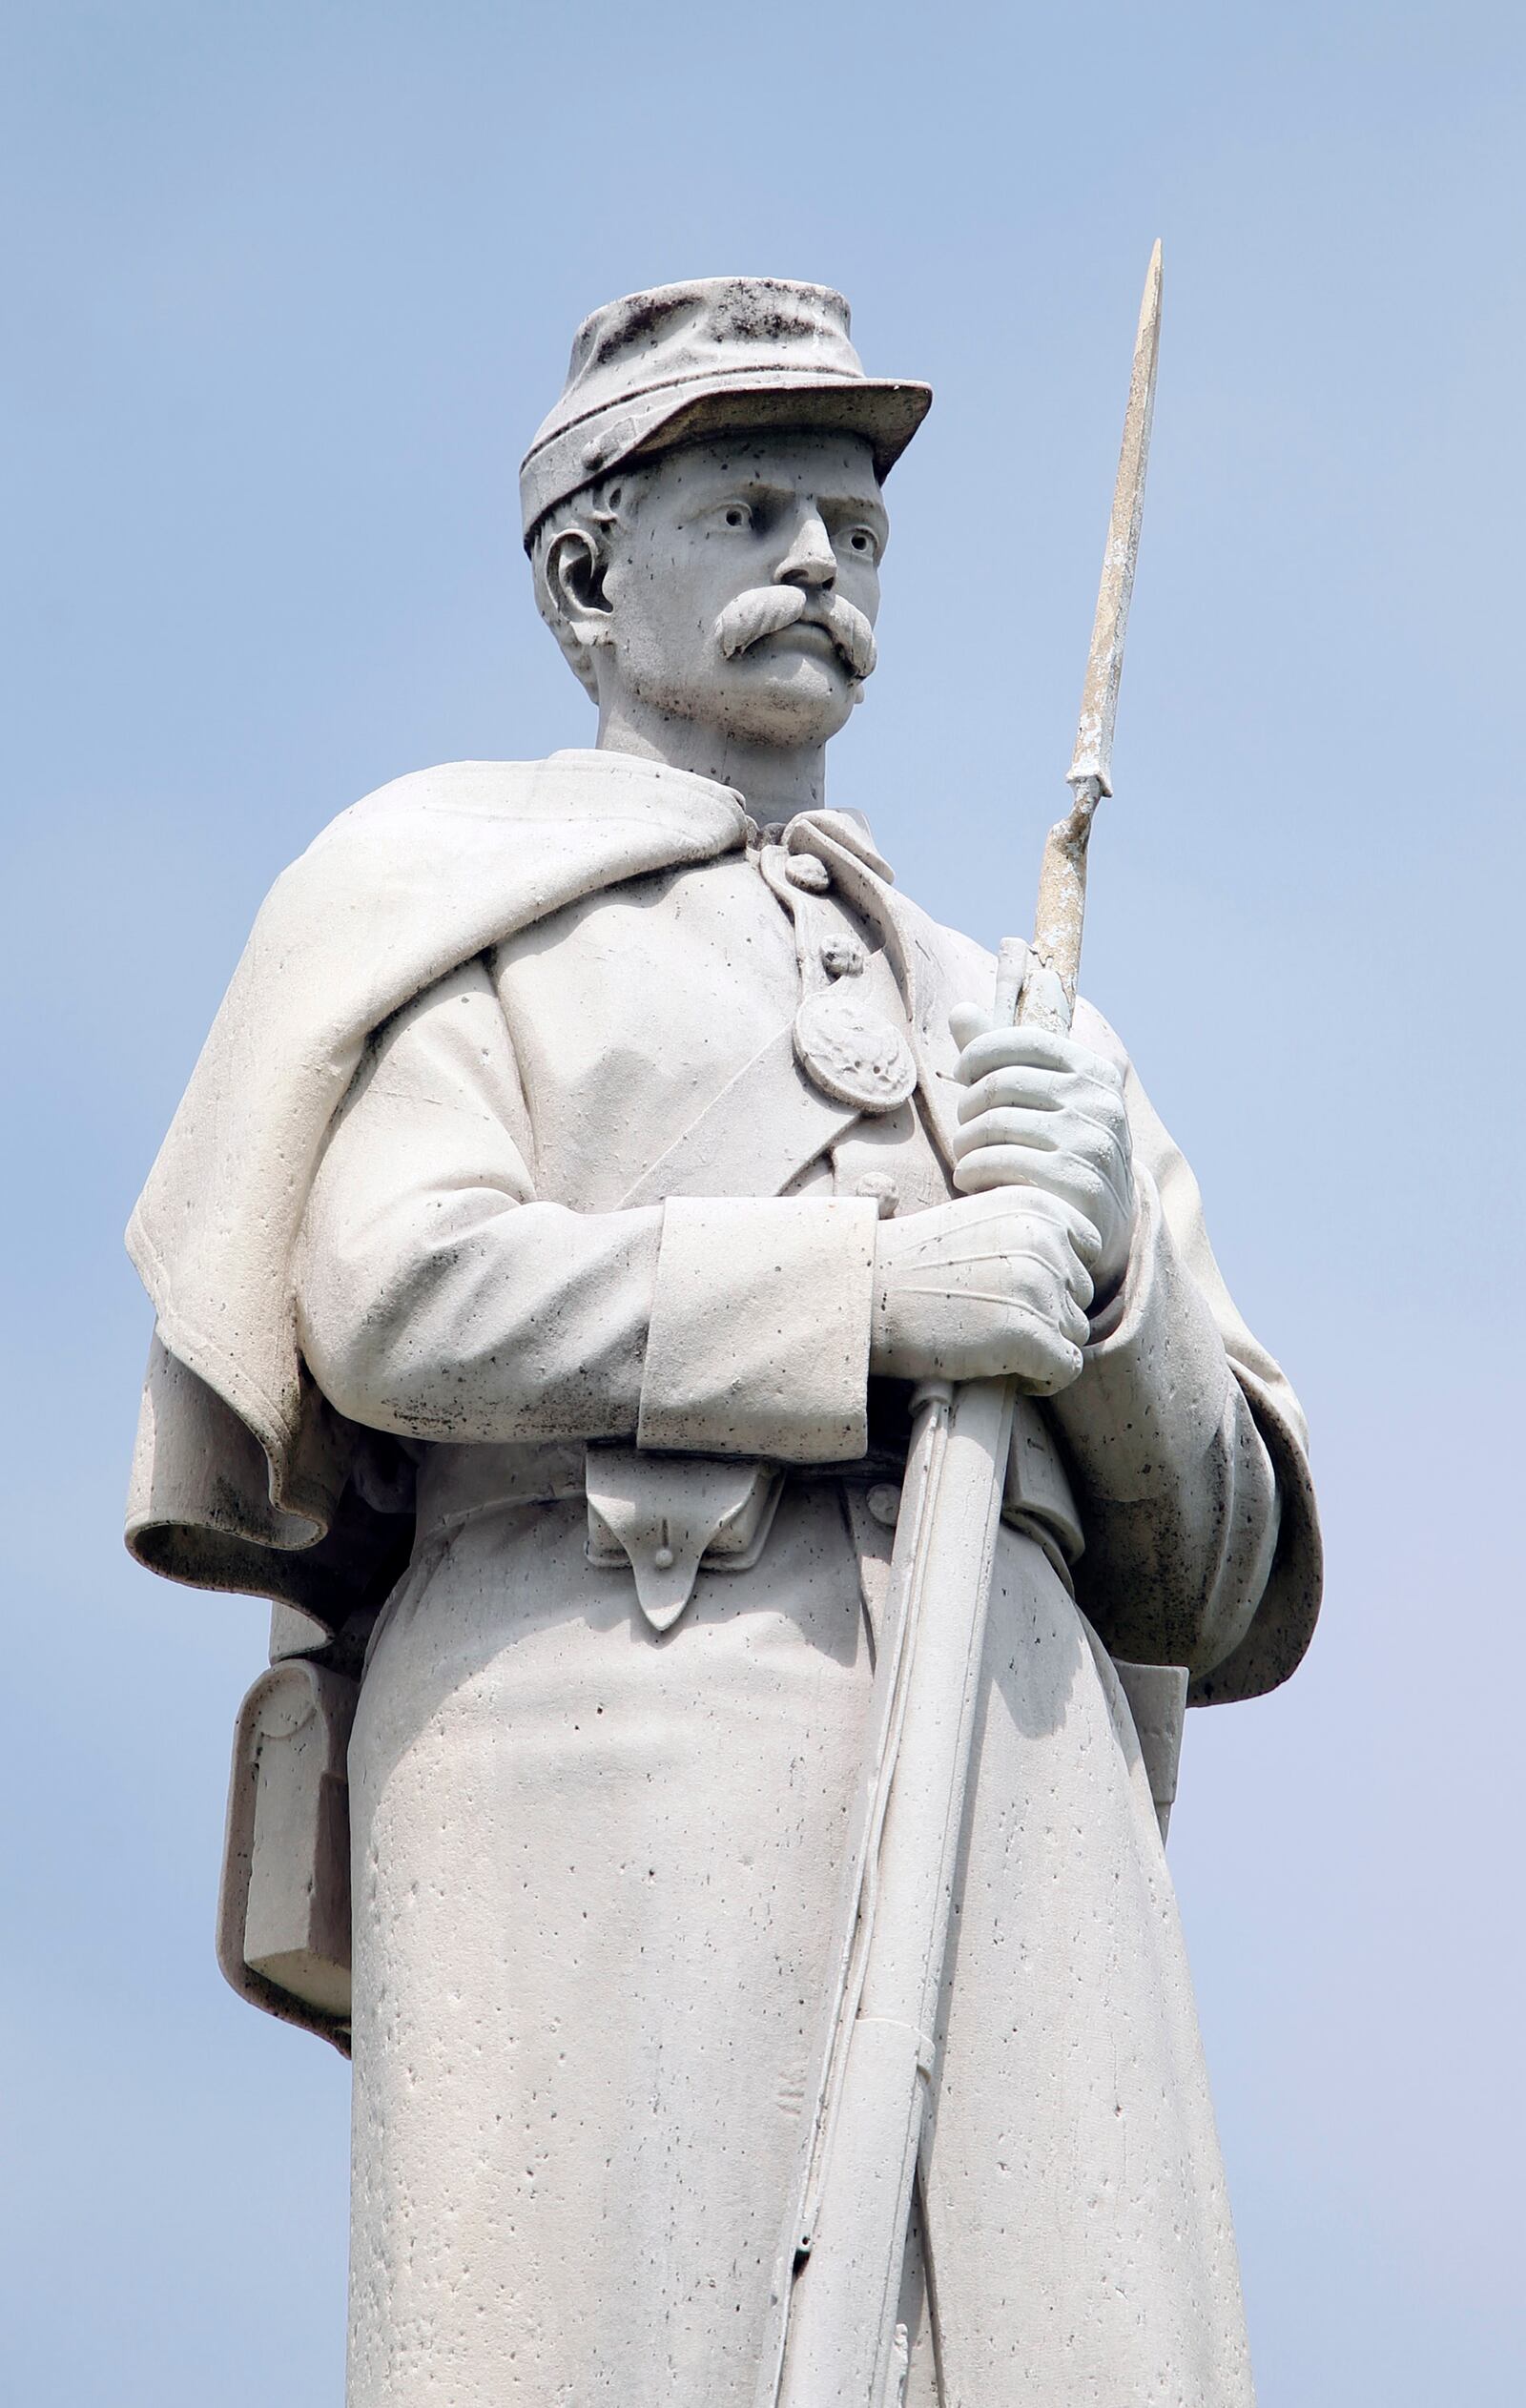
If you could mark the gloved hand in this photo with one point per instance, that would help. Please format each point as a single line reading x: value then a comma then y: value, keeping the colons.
x: 990, y: 1286
x: 1045, y: 1112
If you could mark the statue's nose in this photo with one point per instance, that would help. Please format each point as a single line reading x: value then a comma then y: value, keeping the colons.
x: 810, y: 560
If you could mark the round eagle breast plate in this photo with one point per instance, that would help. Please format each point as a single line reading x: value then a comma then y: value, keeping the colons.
x: 852, y: 1053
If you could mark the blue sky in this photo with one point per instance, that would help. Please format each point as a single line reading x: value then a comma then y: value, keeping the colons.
x: 292, y: 288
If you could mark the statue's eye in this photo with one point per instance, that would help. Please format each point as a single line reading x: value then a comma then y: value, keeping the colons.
x: 736, y: 514
x: 861, y: 540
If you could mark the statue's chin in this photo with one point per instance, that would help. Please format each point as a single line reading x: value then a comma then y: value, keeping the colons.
x: 781, y: 692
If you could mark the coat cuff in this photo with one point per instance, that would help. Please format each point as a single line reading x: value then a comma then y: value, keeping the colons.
x: 760, y: 1324
x: 1152, y: 1391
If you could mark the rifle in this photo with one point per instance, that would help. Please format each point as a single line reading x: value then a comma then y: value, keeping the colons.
x: 839, y: 2346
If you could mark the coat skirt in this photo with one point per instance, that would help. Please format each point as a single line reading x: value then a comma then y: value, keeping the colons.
x: 597, y: 1879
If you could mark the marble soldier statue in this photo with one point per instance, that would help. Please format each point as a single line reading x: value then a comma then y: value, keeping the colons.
x: 589, y: 1155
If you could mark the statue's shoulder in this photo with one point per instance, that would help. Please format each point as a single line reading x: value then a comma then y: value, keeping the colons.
x: 429, y: 822
x: 401, y: 849
x: 494, y: 790
x: 438, y: 865
x: 583, y: 801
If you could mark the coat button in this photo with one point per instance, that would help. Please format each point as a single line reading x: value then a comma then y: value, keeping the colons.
x: 878, y: 1187
x: 884, y: 1503
x: 843, y: 956
x: 804, y: 871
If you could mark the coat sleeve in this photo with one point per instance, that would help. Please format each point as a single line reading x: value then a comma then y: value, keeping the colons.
x: 440, y: 1298
x: 1189, y: 1450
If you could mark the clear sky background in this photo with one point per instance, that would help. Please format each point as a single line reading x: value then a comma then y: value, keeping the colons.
x: 289, y: 287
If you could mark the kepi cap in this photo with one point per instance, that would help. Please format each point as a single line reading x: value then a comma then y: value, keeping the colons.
x: 721, y: 354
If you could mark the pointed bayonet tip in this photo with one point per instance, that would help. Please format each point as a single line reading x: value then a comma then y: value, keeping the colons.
x: 1105, y: 666
x: 1150, y: 306
x: 1147, y: 342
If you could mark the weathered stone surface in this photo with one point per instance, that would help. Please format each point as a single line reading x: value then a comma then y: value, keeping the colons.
x: 590, y: 1157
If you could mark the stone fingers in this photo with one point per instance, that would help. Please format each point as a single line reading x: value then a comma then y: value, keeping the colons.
x: 991, y: 1286
x: 1097, y: 1190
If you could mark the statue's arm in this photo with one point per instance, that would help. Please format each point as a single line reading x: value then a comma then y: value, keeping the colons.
x: 440, y: 1297
x: 1187, y: 1443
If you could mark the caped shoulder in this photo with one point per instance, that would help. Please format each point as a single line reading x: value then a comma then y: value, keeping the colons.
x: 497, y: 786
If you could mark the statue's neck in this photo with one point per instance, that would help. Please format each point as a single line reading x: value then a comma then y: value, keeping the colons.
x: 772, y: 780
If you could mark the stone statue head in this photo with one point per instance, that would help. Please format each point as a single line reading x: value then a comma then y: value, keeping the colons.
x: 703, y: 507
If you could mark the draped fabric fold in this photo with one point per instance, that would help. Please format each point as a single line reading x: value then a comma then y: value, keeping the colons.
x: 241, y: 1465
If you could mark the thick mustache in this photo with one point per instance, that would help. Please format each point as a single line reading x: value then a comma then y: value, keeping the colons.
x: 770, y: 608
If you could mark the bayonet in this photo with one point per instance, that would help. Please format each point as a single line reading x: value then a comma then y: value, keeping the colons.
x: 1062, y: 878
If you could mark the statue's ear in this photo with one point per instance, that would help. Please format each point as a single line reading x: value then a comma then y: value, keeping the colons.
x: 574, y: 570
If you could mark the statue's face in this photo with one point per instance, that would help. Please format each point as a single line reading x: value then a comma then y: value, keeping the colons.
x: 743, y: 587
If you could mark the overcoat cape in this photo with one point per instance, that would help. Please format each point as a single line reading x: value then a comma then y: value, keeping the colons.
x: 243, y: 1475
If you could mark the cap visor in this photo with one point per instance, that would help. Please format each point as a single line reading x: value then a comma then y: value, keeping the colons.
x: 887, y: 415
